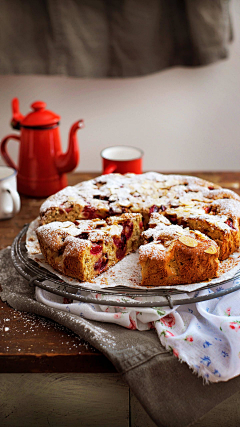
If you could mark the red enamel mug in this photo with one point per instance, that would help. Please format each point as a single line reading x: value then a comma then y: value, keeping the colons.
x: 122, y: 159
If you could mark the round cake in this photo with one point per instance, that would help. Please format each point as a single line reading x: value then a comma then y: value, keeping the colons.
x: 188, y: 224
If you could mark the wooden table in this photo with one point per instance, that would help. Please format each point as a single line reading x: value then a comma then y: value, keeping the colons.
x: 48, y: 348
x: 35, y: 346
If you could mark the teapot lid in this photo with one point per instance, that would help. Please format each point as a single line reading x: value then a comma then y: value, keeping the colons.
x: 40, y: 116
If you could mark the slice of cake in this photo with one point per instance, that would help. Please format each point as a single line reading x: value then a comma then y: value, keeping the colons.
x: 86, y: 248
x: 219, y: 220
x: 174, y: 255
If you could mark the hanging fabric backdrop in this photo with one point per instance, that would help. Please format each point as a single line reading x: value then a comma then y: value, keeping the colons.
x: 111, y: 38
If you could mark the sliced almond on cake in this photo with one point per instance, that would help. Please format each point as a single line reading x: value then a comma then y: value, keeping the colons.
x: 211, y: 250
x: 188, y: 241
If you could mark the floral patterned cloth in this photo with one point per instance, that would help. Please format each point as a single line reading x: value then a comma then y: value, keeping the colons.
x: 205, y: 335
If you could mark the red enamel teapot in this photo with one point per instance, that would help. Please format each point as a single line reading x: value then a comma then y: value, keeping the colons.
x: 42, y: 166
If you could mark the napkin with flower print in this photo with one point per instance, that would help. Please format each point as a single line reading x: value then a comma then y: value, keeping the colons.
x: 205, y: 335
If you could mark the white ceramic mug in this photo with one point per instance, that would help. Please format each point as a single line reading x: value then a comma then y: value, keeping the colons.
x: 9, y: 197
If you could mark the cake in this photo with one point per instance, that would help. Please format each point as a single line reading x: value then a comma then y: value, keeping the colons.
x: 219, y: 220
x: 86, y: 248
x: 183, y: 206
x: 173, y: 255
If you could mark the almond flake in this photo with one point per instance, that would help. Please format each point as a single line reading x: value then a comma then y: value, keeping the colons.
x: 188, y: 241
x: 211, y: 250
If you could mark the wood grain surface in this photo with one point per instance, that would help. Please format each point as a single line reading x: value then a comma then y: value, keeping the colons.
x: 62, y: 400
x: 29, y: 343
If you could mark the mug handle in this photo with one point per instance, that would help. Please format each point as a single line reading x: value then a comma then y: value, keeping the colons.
x: 4, y: 152
x: 110, y: 168
x: 15, y: 199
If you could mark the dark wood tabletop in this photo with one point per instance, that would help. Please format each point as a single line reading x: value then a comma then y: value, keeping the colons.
x: 29, y: 343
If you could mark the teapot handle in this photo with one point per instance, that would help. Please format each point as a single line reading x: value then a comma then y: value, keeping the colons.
x: 4, y: 151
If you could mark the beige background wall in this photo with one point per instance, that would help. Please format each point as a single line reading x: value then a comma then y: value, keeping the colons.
x: 183, y: 119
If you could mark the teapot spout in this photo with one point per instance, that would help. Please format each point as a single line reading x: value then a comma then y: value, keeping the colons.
x: 66, y: 162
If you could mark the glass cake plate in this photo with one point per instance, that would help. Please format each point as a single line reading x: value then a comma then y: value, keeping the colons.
x: 119, y: 295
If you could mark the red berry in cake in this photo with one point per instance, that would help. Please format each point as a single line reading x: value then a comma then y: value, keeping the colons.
x: 95, y: 249
x: 127, y: 230
x: 207, y: 209
x: 89, y: 212
x: 101, y: 264
x: 63, y: 209
x: 121, y: 253
x: 68, y: 210
x: 120, y: 242
x: 229, y: 222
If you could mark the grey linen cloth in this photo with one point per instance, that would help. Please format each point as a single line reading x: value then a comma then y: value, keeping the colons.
x: 111, y: 38
x: 168, y: 390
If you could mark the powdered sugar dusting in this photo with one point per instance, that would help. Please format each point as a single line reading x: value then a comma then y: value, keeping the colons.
x: 92, y: 230
x: 115, y: 192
